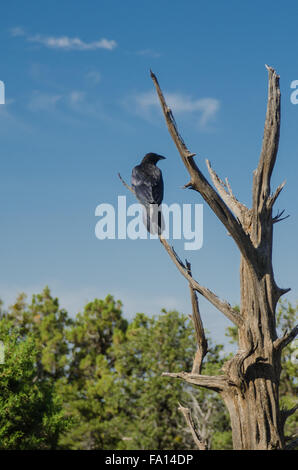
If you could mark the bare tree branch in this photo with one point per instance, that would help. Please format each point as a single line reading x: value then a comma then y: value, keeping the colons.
x: 286, y: 413
x: 268, y: 154
x: 225, y: 191
x: 282, y: 342
x: 200, y: 184
x: 221, y: 305
x: 201, y: 415
x: 217, y: 383
x: 262, y: 175
x: 199, y: 329
x: 125, y: 184
x: 279, y: 218
x: 271, y: 200
x: 200, y: 443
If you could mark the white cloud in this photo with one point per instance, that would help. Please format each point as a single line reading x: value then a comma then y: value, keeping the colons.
x: 42, y: 101
x: 204, y: 110
x: 208, y: 107
x: 65, y: 42
x: 17, y: 31
x: 71, y: 106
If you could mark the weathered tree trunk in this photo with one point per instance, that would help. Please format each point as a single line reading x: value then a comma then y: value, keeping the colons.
x: 252, y: 396
x: 249, y: 385
x: 250, y: 381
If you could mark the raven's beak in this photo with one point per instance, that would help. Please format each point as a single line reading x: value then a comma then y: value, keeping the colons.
x: 160, y: 157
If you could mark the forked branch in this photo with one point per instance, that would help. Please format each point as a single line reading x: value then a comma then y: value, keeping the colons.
x: 262, y: 201
x: 262, y: 175
x: 272, y: 199
x: 279, y: 218
x: 199, y: 183
x: 282, y: 342
x: 224, y: 189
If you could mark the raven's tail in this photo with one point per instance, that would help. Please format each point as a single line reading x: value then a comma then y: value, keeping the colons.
x: 153, y: 219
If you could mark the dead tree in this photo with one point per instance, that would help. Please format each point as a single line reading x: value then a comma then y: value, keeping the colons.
x: 249, y: 384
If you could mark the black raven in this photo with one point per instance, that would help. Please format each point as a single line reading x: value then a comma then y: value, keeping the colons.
x: 147, y: 182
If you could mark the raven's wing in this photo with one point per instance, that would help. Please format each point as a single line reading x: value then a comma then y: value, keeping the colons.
x: 157, y: 187
x: 147, y: 184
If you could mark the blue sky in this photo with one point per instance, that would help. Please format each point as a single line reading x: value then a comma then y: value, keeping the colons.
x: 80, y: 107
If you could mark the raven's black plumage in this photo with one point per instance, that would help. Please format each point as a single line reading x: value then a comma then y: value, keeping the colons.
x: 147, y: 182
